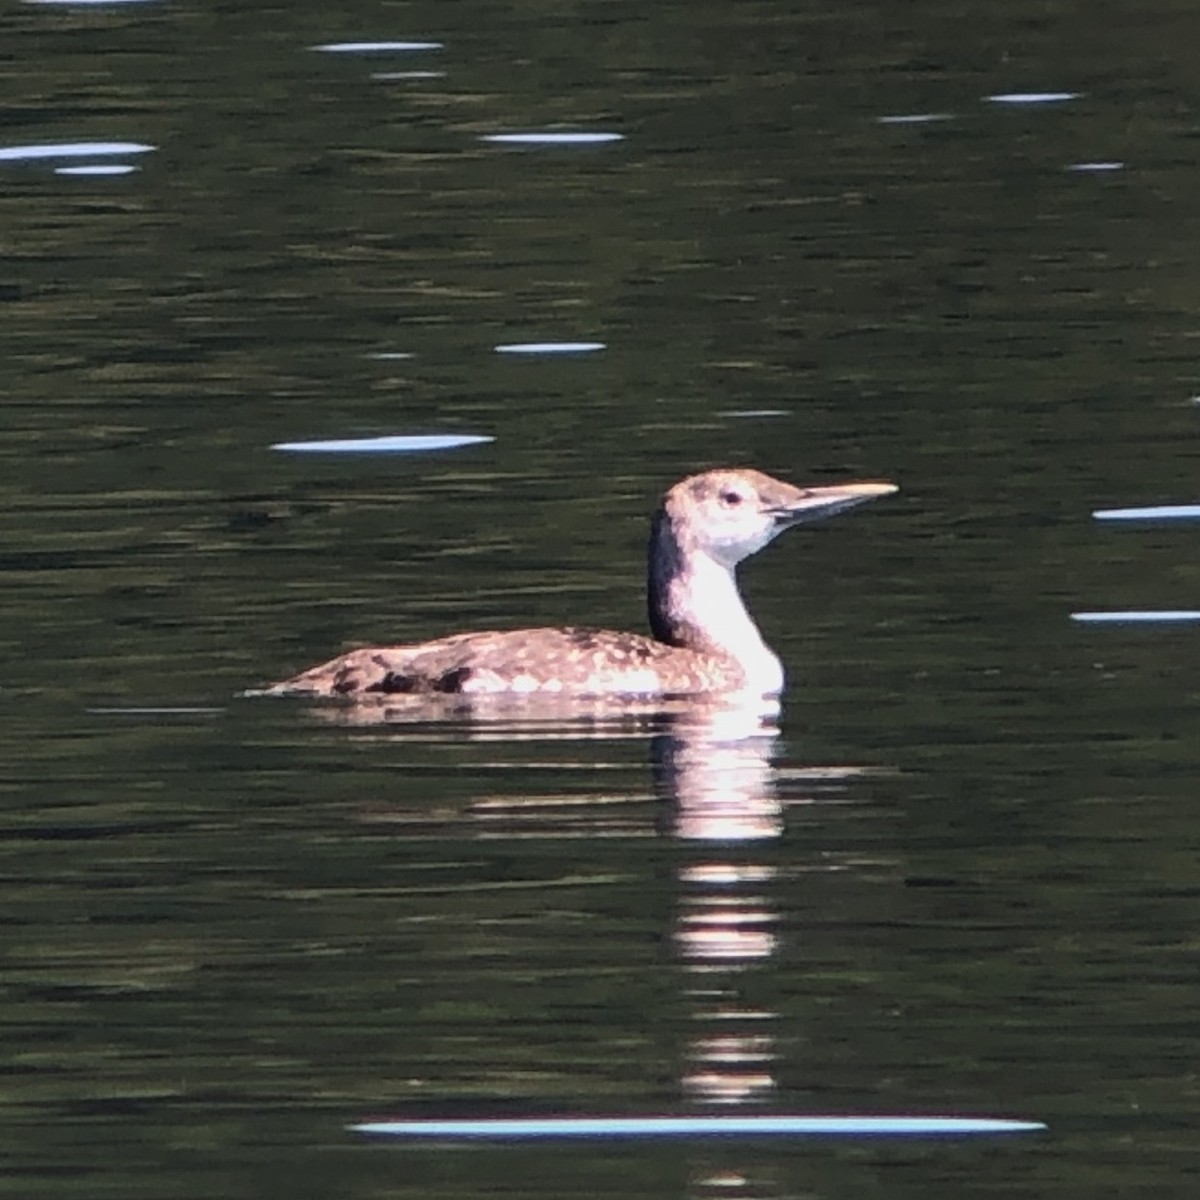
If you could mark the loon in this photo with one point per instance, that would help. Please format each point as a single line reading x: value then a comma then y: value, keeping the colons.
x: 704, y: 641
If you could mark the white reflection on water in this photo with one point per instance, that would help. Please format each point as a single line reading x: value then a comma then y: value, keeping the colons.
x: 70, y: 150
x: 1097, y: 168
x: 374, y: 47
x: 1158, y: 512
x: 388, y: 75
x: 758, y: 1125
x: 416, y: 444
x: 534, y: 138
x: 1033, y: 97
x: 754, y: 412
x: 720, y: 776
x: 726, y: 935
x: 928, y: 118
x: 98, y: 169
x: 1137, y: 616
x: 550, y: 347
x: 731, y: 1068
x: 726, y: 874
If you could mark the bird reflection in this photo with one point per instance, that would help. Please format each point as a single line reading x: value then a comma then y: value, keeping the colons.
x: 714, y: 776
x: 716, y: 783
x: 718, y: 775
x: 714, y: 765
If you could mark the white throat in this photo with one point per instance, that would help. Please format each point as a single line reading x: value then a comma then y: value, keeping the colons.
x: 705, y: 612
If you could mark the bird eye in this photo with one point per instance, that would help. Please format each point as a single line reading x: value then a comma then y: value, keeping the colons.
x: 731, y: 499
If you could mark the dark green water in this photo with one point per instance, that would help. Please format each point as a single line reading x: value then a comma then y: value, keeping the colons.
x: 963, y: 878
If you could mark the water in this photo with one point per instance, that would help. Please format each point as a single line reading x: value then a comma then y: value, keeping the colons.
x: 961, y: 876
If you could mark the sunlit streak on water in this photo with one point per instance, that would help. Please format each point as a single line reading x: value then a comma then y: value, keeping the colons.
x: 916, y: 118
x: 550, y: 348
x: 747, y: 413
x: 1033, y: 97
x: 534, y: 138
x: 761, y: 1125
x: 1137, y: 616
x: 724, y: 1180
x: 1158, y: 512
x: 71, y: 150
x: 384, y: 445
x: 375, y: 47
x: 113, y: 169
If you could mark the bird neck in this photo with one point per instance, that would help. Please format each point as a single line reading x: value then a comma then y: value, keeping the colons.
x: 693, y: 602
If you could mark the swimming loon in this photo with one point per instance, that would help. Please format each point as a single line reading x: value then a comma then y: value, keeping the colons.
x: 704, y: 641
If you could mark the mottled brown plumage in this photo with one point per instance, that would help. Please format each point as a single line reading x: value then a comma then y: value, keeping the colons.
x: 704, y: 642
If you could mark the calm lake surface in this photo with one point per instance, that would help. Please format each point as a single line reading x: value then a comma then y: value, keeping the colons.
x: 961, y: 876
